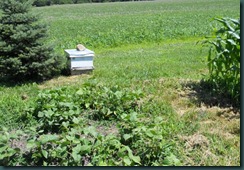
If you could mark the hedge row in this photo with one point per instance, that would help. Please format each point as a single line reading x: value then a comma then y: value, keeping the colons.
x: 53, y: 2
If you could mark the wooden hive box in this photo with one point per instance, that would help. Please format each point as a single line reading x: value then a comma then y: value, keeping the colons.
x: 80, y: 61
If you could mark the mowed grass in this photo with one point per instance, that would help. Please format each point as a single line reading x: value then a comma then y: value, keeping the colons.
x: 150, y: 46
x: 151, y: 62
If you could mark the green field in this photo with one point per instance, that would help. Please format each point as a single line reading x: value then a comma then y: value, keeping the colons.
x: 150, y: 46
x: 115, y: 24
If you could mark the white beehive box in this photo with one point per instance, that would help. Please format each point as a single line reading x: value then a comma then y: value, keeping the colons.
x: 80, y: 61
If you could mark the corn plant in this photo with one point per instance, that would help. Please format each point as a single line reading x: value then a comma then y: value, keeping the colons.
x: 224, y: 58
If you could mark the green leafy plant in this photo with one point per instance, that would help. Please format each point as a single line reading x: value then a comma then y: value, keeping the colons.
x: 61, y: 108
x: 107, y: 103
x: 224, y: 58
x: 80, y: 146
x: 110, y: 151
x: 148, y: 139
x: 65, y: 149
x: 12, y: 147
x: 56, y: 109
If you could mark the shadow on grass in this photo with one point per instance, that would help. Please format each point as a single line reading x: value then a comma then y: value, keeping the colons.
x: 8, y: 82
x: 5, y: 82
x: 202, y: 93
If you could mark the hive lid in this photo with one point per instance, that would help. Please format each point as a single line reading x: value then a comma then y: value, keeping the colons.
x: 76, y: 53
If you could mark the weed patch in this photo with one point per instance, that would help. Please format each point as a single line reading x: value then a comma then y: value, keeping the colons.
x: 67, y: 133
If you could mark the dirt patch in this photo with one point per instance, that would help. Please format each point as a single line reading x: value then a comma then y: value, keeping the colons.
x: 64, y: 80
x: 86, y: 160
x: 103, y: 129
x: 19, y: 142
x: 112, y: 130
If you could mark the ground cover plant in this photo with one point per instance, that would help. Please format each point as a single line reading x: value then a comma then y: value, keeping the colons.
x: 144, y: 104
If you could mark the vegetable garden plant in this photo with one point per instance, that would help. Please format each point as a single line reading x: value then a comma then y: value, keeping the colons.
x: 224, y: 58
x: 64, y: 135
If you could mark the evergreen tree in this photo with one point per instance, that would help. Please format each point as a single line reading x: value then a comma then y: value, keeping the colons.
x: 23, y: 52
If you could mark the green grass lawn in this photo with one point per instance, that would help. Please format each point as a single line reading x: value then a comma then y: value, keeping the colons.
x: 171, y: 59
x: 148, y: 46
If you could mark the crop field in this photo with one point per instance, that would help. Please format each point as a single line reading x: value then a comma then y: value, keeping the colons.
x: 143, y: 104
x: 115, y: 24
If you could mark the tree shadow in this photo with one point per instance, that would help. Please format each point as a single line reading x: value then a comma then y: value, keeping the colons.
x: 8, y: 82
x: 201, y: 92
x: 5, y: 82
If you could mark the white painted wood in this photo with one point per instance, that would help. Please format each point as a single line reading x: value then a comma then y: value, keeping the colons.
x: 76, y: 53
x: 81, y: 60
